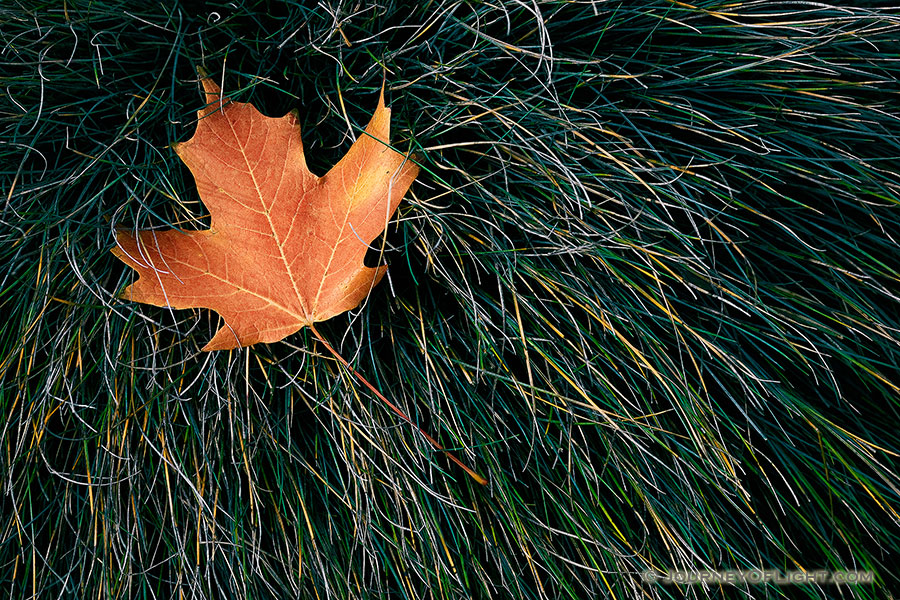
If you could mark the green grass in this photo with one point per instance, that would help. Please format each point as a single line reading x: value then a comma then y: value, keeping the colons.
x: 646, y: 284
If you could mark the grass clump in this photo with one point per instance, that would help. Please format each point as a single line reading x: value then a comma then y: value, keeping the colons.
x: 646, y: 284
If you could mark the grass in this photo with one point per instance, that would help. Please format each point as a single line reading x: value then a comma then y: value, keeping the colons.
x: 646, y: 284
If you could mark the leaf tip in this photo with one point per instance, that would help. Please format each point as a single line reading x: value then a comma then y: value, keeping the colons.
x: 382, y: 108
x: 212, y: 91
x: 293, y: 117
x: 224, y: 339
x: 122, y: 235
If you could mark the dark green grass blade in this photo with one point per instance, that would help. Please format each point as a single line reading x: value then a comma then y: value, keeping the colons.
x: 647, y: 284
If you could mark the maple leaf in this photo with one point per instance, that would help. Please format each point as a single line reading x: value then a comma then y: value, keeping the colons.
x: 285, y: 248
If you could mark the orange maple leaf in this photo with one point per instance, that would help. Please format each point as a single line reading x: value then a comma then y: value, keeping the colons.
x: 285, y: 248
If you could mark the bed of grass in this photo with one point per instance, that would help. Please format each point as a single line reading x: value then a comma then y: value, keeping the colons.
x: 646, y: 284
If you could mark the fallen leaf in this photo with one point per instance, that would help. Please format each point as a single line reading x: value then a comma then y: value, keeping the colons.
x: 285, y: 248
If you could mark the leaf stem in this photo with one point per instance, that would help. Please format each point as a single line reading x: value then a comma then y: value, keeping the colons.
x: 400, y: 413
